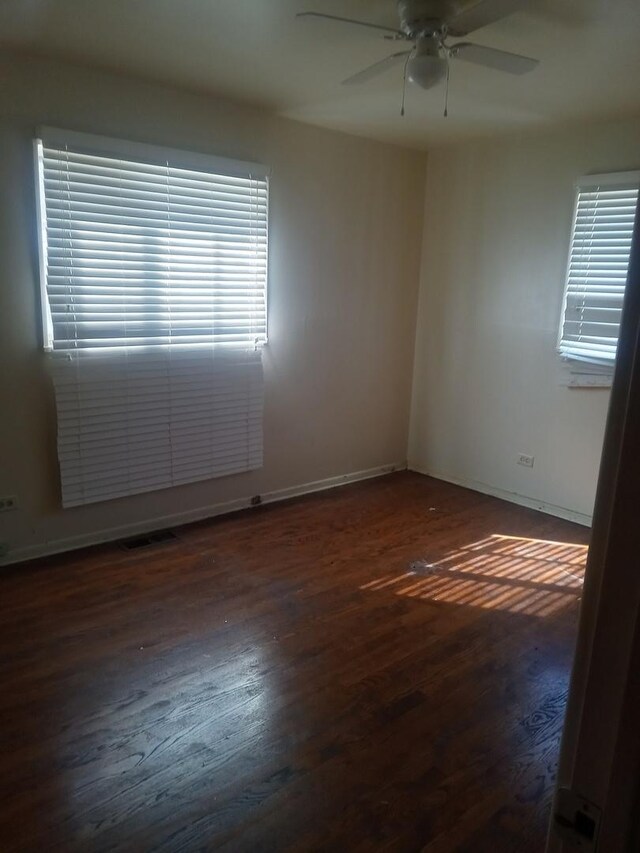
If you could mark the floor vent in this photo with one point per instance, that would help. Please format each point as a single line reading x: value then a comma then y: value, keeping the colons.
x: 148, y: 539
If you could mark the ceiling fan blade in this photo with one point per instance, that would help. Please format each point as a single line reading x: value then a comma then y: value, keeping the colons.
x: 377, y: 68
x: 480, y: 14
x: 321, y: 16
x: 512, y: 63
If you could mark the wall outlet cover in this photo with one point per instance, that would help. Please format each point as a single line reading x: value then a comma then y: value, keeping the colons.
x: 526, y: 460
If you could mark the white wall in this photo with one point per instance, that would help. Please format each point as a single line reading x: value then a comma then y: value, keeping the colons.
x: 486, y: 382
x: 346, y: 218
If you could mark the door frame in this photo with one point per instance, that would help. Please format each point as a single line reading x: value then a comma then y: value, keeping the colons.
x: 600, y: 749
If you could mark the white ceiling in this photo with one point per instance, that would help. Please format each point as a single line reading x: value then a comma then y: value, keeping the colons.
x: 257, y: 52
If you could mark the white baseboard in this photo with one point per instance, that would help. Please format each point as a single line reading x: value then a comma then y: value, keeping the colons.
x: 71, y: 543
x: 505, y: 495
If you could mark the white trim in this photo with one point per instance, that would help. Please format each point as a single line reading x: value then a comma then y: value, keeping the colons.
x: 583, y: 379
x: 608, y: 179
x: 153, y: 154
x: 41, y: 219
x: 111, y: 534
x: 264, y: 343
x: 565, y: 290
x: 505, y: 495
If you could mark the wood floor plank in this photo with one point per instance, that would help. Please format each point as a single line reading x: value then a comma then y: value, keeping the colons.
x: 379, y: 667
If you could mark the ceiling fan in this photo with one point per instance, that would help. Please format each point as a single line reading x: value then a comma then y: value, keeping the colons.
x: 428, y: 24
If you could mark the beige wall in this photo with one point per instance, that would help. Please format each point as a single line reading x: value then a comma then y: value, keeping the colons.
x: 346, y: 220
x: 487, y: 380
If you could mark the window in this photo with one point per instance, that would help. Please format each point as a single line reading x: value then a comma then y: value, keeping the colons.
x: 144, y: 253
x: 154, y: 273
x: 597, y: 270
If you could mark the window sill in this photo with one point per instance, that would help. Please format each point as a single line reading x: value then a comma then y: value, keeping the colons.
x: 578, y: 374
x: 588, y: 381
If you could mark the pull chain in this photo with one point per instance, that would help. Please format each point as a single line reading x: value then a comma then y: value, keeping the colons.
x: 404, y: 82
x: 446, y: 91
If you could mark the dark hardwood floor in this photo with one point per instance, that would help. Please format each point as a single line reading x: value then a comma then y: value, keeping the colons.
x: 379, y: 667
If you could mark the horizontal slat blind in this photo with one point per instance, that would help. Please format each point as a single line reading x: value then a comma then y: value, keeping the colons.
x: 131, y: 423
x: 155, y: 296
x: 598, y: 264
x: 143, y: 254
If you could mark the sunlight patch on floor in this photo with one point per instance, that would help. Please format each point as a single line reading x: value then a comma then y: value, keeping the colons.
x: 531, y: 576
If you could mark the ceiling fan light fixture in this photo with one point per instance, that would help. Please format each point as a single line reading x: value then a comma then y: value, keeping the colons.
x: 426, y: 71
x: 427, y: 24
x: 427, y: 66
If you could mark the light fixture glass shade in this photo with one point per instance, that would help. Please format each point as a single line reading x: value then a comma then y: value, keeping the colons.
x: 425, y: 70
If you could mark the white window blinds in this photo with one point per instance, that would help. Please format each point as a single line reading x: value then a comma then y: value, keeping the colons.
x: 145, y: 253
x: 154, y: 273
x: 150, y: 420
x: 598, y: 263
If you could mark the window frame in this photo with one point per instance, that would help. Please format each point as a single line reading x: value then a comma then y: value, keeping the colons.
x: 585, y: 371
x: 137, y: 152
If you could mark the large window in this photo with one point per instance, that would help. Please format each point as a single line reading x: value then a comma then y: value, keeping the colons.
x: 597, y: 271
x: 144, y: 252
x: 154, y: 274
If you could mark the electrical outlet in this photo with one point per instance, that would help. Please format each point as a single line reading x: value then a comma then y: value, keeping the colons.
x: 8, y: 503
x: 524, y: 459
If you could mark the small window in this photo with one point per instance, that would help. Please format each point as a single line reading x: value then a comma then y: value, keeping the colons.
x: 597, y: 270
